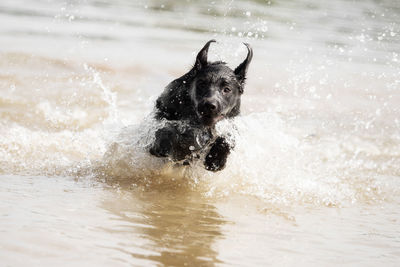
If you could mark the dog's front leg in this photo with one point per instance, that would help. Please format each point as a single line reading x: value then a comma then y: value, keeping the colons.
x: 218, y: 154
x: 164, y: 142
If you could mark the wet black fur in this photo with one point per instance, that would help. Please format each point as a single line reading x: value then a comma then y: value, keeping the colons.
x: 191, y: 106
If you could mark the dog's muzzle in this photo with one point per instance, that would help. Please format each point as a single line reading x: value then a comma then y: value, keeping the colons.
x: 209, y: 112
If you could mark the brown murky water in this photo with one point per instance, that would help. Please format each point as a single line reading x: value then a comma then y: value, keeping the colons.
x: 314, y: 179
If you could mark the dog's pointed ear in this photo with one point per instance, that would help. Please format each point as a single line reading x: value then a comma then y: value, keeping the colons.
x: 201, y: 59
x: 241, y: 70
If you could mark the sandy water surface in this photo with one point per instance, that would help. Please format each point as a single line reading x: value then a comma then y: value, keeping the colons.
x: 314, y: 179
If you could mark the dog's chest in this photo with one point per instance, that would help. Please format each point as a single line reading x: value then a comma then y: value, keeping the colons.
x: 191, y: 141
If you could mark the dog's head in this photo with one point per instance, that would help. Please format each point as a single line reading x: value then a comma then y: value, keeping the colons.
x: 216, y: 89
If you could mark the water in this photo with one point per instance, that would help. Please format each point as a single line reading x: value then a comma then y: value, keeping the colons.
x: 314, y: 178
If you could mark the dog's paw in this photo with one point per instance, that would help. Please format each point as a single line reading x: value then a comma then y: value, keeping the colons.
x: 214, y: 164
x: 217, y: 156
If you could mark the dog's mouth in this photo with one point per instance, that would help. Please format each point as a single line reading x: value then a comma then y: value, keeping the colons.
x: 210, y: 120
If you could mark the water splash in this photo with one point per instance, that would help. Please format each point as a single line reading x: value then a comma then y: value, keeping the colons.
x: 110, y: 97
x: 271, y: 161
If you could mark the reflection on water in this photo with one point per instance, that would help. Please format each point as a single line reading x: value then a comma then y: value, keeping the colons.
x: 51, y: 221
x: 175, y: 229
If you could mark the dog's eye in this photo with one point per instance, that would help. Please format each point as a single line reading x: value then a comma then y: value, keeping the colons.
x: 227, y: 90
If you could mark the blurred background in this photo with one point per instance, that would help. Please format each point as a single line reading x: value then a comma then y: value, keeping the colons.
x: 343, y: 54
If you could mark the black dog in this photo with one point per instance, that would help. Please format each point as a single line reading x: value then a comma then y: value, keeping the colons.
x: 191, y: 105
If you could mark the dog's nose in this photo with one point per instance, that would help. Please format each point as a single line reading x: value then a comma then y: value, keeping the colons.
x: 210, y: 106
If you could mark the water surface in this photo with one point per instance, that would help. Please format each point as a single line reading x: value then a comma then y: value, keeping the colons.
x: 313, y: 180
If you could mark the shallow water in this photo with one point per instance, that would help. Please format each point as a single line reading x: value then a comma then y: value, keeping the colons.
x: 314, y: 178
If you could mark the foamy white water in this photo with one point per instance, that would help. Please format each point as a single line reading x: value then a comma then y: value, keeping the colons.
x: 314, y: 177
